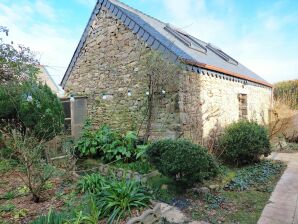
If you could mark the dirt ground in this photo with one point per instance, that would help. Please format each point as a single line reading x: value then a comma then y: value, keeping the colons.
x: 22, y: 208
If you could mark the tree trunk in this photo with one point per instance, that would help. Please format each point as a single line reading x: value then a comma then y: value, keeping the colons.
x: 149, y: 120
x: 35, y: 198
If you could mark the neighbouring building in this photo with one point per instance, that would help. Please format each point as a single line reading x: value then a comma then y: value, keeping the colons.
x: 44, y: 77
x: 214, y: 88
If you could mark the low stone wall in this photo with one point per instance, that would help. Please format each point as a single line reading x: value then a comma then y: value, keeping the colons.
x: 106, y: 169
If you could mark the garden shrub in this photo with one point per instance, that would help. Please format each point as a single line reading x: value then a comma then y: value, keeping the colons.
x: 29, y: 153
x: 33, y: 107
x: 244, y: 142
x: 182, y: 161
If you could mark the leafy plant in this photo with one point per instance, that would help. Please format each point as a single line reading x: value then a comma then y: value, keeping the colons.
x: 93, y: 183
x: 7, y: 164
x: 8, y: 195
x: 213, y: 201
x: 20, y: 213
x: 52, y: 217
x: 179, y: 159
x: 120, y: 197
x: 244, y: 142
x: 86, y: 213
x: 256, y: 175
x: 109, y: 144
x: 7, y: 208
x: 90, y: 215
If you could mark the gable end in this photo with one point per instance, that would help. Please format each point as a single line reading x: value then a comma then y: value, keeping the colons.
x: 156, y: 41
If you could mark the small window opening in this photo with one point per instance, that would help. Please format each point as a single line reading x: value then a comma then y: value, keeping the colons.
x: 242, y: 106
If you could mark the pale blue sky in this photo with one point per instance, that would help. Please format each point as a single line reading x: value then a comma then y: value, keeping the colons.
x: 261, y: 34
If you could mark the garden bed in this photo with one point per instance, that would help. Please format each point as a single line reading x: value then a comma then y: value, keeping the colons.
x: 16, y: 205
x: 237, y: 196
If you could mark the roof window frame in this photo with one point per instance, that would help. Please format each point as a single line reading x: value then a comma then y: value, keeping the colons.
x: 186, y: 39
x: 222, y: 54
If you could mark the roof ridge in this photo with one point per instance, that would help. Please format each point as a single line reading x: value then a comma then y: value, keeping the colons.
x: 152, y: 17
x: 151, y: 31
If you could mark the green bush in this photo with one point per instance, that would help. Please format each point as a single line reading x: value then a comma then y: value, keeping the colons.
x: 109, y: 144
x: 182, y: 161
x: 33, y: 107
x: 244, y: 142
x: 120, y: 197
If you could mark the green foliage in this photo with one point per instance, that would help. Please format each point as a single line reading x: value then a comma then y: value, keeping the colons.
x: 256, y: 176
x: 7, y: 165
x: 114, y: 198
x: 33, y: 107
x: 120, y: 197
x: 213, y: 201
x: 244, y: 142
x: 179, y: 159
x: 8, y: 195
x: 20, y: 213
x: 52, y: 217
x: 93, y: 183
x: 287, y: 92
x: 7, y: 208
x: 109, y: 144
x: 161, y: 193
x: 87, y: 213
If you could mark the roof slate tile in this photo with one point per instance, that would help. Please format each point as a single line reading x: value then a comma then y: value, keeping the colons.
x: 153, y: 33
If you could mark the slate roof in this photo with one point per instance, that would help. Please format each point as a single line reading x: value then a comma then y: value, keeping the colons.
x: 157, y: 35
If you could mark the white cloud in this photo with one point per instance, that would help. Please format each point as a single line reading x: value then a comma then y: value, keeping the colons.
x: 45, y: 9
x: 53, y: 44
x: 88, y: 3
x: 261, y: 46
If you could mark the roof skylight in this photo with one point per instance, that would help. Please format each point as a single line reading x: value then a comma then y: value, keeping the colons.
x: 186, y: 39
x: 222, y: 54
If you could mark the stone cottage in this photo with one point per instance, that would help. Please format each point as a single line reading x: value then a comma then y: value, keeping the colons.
x: 214, y: 89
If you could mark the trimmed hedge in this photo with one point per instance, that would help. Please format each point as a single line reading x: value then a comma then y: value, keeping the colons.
x: 182, y: 161
x: 244, y: 142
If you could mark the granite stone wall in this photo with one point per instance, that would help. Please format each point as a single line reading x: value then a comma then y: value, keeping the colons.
x: 110, y: 73
x: 210, y: 103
